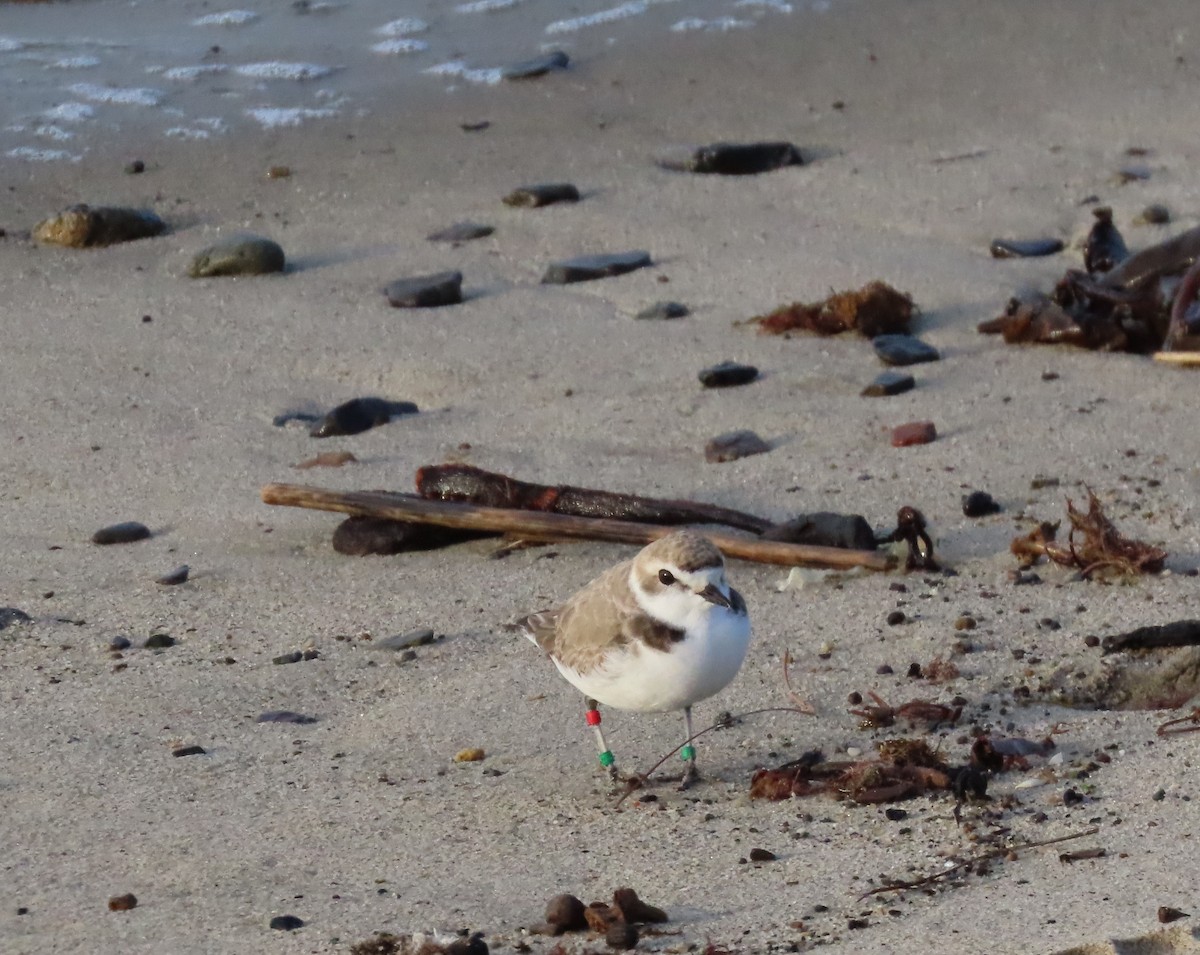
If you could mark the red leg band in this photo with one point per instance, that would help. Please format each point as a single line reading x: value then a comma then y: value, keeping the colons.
x: 593, y: 717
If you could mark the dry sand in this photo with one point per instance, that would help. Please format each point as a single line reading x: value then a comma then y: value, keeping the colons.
x: 362, y: 822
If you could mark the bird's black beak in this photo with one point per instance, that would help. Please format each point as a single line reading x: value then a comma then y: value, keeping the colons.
x: 714, y: 596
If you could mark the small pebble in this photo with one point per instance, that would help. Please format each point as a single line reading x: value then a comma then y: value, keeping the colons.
x: 358, y: 415
x: 242, y: 255
x: 279, y: 172
x: 1166, y: 914
x: 895, y: 618
x: 661, y: 311
x: 189, y: 751
x: 120, y: 643
x: 405, y: 641
x: 894, y: 814
x: 889, y: 383
x: 1024, y: 248
x: 539, y: 66
x: 728, y: 374
x: 177, y: 576
x: 1091, y: 640
x: 286, y: 923
x: 461, y: 232
x: 621, y: 935
x: 159, y: 641
x: 734, y: 445
x: 134, y: 166
x: 122, y: 903
x: 284, y: 658
x: 1154, y: 214
x: 472, y: 755
x: 914, y: 432
x: 426, y: 291
x: 965, y: 623
x: 565, y: 914
x: 124, y: 533
x: 903, y: 350
x: 762, y: 855
x: 884, y: 670
x: 11, y: 616
x: 285, y: 716
x: 534, y: 197
x: 979, y: 504
x: 587, y: 268
x: 734, y: 159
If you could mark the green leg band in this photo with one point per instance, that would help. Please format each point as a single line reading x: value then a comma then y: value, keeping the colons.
x: 688, y: 753
x: 607, y: 758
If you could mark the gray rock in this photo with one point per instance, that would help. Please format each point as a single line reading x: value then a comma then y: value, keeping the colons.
x: 733, y: 445
x: 426, y: 291
x: 735, y: 159
x: 83, y: 226
x: 285, y: 716
x: 1154, y: 214
x: 889, y: 383
x: 159, y: 641
x: 124, y: 533
x: 285, y: 658
x: 727, y: 375
x: 405, y: 641
x: 825, y: 529
x: 360, y: 414
x: 120, y: 643
x: 538, y: 66
x: 177, y: 576
x: 1024, y: 248
x: 533, y: 197
x: 660, y: 311
x: 244, y: 255
x: 903, y: 350
x: 461, y: 232
x: 584, y: 268
x: 11, y: 616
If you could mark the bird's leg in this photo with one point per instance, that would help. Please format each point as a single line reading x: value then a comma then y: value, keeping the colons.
x: 688, y: 752
x: 607, y: 760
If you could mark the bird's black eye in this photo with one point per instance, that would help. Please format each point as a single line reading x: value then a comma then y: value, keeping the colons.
x: 665, y: 577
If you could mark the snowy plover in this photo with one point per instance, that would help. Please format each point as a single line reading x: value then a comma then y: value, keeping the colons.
x: 653, y: 634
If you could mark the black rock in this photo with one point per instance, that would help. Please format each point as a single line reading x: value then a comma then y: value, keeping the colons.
x: 285, y: 658
x: 189, y: 751
x: 1024, y: 248
x: 360, y: 414
x: 889, y: 383
x: 621, y: 936
x: 661, y: 311
x: 727, y: 374
x: 287, y: 923
x: 285, y: 716
x: 538, y: 66
x: 734, y: 445
x: 546, y: 194
x: 737, y: 159
x: 124, y: 533
x: 405, y: 641
x: 979, y: 504
x: 364, y: 536
x: 426, y: 291
x: 1105, y: 246
x: 825, y: 529
x: 903, y: 350
x: 11, y: 616
x: 177, y: 576
x: 762, y: 855
x: 304, y: 417
x: 120, y: 643
x: 894, y: 814
x: 1154, y: 214
x: 159, y: 641
x: 584, y: 268
x: 134, y: 166
x: 461, y: 232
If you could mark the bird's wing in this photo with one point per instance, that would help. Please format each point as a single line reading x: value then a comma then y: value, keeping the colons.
x: 596, y: 620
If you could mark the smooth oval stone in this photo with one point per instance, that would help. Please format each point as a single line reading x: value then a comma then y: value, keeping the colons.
x: 1154, y: 214
x: 532, y: 197
x: 903, y: 350
x: 825, y: 529
x: 285, y: 658
x: 538, y: 66
x: 10, y: 616
x: 461, y: 232
x: 734, y: 445
x: 82, y: 226
x: 124, y: 533
x: 584, y: 268
x: 248, y: 255
x: 661, y: 311
x: 120, y: 643
x: 358, y: 415
x: 1024, y: 248
x: 285, y: 716
x: 736, y: 159
x: 979, y: 504
x: 286, y: 923
x: 177, y: 576
x: 888, y: 383
x: 405, y: 641
x: 426, y: 291
x: 159, y: 641
x: 915, y: 432
x: 189, y: 751
x: 728, y: 374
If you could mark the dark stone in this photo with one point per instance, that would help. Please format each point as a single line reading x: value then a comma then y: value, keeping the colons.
x: 159, y: 641
x: 120, y: 643
x: 661, y: 311
x: 762, y: 855
x: 894, y: 814
x: 286, y: 923
x: 364, y: 536
x: 1024, y: 248
x: 10, y: 616
x: 1105, y: 247
x: 461, y: 232
x: 189, y: 751
x: 621, y: 936
x: 979, y: 504
x: 134, y: 166
x: 903, y: 350
x: 584, y: 268
x: 895, y: 618
x: 564, y: 913
x: 244, y: 255
x: 737, y: 159
x: 546, y: 194
x: 888, y: 383
x: 358, y: 415
x: 285, y: 716
x: 284, y: 658
x: 178, y: 576
x: 538, y: 66
x: 82, y: 226
x: 405, y: 641
x: 426, y: 291
x: 728, y: 374
x: 825, y: 529
x: 913, y: 432
x: 1154, y: 214
x: 473, y: 945
x: 124, y: 533
x: 304, y: 417
x: 733, y: 445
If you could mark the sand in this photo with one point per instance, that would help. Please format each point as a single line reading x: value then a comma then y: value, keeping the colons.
x: 362, y: 821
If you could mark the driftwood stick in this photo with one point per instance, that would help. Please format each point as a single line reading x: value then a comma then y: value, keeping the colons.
x: 536, y: 525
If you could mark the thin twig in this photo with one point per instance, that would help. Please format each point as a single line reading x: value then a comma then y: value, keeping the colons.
x: 975, y: 860
x: 1166, y: 729
x: 803, y: 705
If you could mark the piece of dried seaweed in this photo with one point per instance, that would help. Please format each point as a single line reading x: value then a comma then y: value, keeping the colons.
x: 874, y: 309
